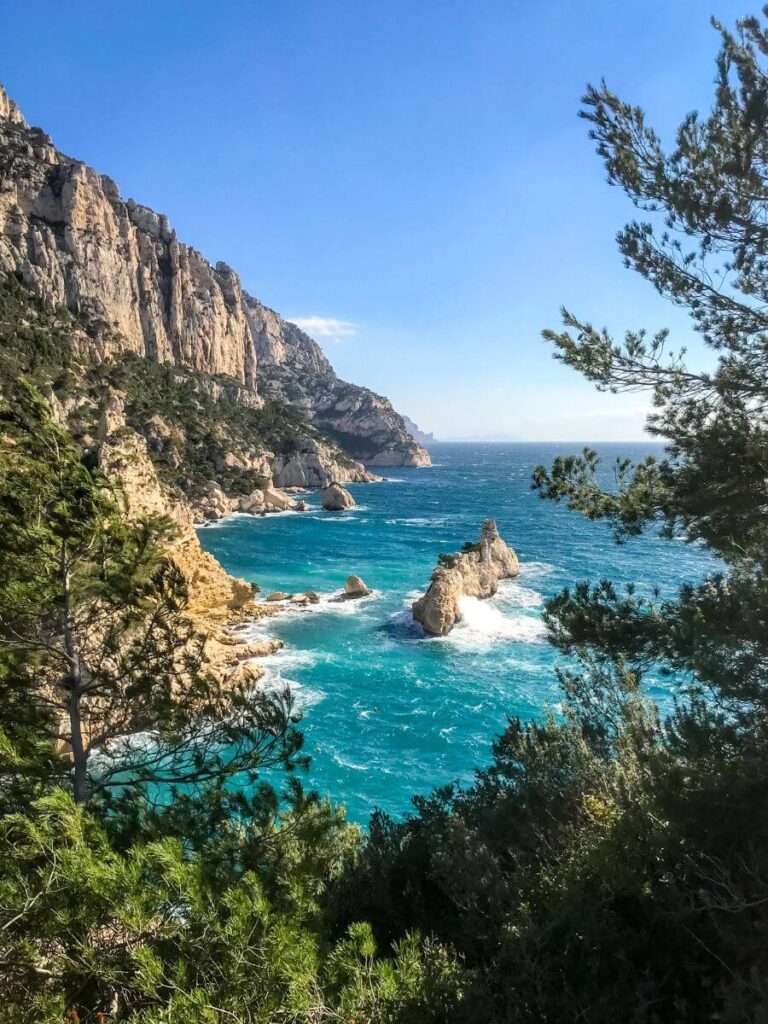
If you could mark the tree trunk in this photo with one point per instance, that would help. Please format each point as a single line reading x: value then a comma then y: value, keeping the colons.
x: 74, y: 684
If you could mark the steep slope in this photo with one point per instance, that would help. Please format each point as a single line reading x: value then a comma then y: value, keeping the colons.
x: 201, y: 432
x: 75, y: 242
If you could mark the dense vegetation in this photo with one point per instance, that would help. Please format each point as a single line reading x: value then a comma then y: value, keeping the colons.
x: 153, y: 878
x: 608, y: 866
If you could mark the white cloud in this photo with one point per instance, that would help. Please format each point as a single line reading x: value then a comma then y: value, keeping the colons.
x: 325, y: 326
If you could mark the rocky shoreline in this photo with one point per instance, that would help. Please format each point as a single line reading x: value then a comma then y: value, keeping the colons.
x: 269, y: 497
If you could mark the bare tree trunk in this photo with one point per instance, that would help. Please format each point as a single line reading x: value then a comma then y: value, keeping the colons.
x: 74, y: 683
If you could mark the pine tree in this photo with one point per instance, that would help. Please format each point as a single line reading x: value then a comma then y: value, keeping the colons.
x: 96, y: 654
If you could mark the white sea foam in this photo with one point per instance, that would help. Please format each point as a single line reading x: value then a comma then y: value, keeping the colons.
x: 535, y: 570
x: 217, y: 525
x: 332, y: 603
x: 279, y: 677
x: 346, y: 763
x: 483, y: 622
x: 346, y: 518
x: 233, y: 517
x: 417, y: 521
x: 515, y: 595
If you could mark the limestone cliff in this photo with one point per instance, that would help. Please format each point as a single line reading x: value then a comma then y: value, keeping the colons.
x: 474, y: 572
x: 214, y: 597
x: 123, y: 458
x: 65, y: 229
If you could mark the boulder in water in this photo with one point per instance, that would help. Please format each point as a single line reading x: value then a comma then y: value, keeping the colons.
x: 354, y: 587
x: 337, y: 498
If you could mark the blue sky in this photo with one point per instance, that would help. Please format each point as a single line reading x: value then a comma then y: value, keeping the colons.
x: 409, y: 177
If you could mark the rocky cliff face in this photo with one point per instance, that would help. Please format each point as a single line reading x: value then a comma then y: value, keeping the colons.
x: 74, y: 241
x: 215, y: 598
x: 474, y: 572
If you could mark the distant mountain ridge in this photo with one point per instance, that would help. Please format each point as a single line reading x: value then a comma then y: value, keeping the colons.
x: 68, y: 235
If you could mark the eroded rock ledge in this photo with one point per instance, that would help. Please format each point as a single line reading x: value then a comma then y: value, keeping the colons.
x: 473, y: 572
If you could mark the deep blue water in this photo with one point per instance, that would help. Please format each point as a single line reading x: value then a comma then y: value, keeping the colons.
x: 389, y: 712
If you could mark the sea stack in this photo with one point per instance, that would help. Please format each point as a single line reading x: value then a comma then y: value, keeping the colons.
x: 473, y: 572
x: 337, y: 498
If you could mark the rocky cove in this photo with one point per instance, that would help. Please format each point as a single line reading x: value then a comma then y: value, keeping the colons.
x: 390, y: 710
x: 195, y: 399
x: 223, y: 608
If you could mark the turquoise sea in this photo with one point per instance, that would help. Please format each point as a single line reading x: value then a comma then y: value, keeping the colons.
x: 389, y: 712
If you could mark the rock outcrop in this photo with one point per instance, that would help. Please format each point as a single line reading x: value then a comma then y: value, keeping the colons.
x: 66, y: 231
x: 474, y: 572
x: 214, y: 597
x: 123, y: 458
x: 337, y: 498
x: 315, y: 466
x: 355, y: 587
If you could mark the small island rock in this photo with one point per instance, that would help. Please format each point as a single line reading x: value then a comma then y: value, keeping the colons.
x: 337, y: 498
x: 473, y: 572
x: 354, y: 587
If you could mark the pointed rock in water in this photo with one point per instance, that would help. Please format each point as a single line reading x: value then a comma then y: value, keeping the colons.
x: 354, y: 587
x: 473, y: 572
x: 337, y: 498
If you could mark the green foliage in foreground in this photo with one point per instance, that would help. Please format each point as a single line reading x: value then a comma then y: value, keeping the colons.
x: 95, y: 643
x: 608, y: 866
x: 158, y: 880
x: 148, y: 935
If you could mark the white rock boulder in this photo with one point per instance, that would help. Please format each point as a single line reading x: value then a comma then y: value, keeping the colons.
x: 337, y: 498
x: 355, y: 587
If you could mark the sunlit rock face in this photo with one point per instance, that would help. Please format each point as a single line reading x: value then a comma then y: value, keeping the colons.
x: 67, y: 232
x: 474, y: 572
